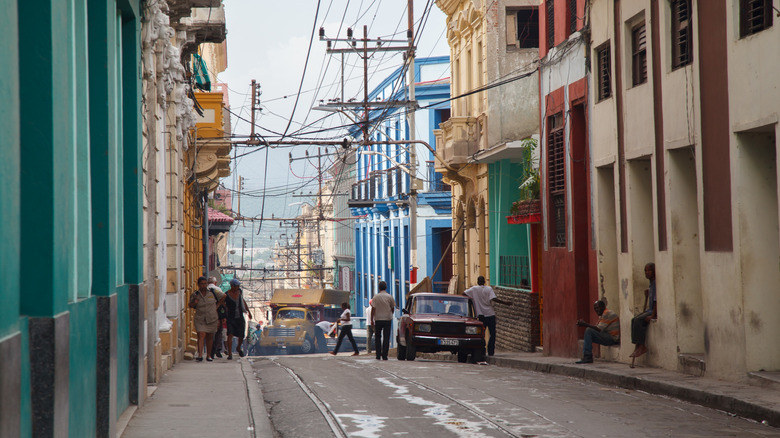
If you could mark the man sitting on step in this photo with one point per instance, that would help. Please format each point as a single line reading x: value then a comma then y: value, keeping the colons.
x: 607, y: 332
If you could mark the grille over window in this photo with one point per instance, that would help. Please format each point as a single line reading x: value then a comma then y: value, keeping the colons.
x: 682, y: 33
x: 639, y: 56
x: 754, y: 16
x: 550, y: 5
x: 556, y: 171
x: 604, y: 71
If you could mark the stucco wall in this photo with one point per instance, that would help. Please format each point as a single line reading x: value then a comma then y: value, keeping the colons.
x: 517, y: 326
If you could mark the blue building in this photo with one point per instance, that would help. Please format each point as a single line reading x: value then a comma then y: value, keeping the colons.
x: 380, y: 198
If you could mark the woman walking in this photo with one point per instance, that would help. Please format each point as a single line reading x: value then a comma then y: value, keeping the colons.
x: 206, y: 320
x: 236, y: 325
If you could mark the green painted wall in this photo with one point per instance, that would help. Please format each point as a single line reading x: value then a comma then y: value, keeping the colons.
x: 9, y: 169
x: 505, y: 239
x: 83, y: 386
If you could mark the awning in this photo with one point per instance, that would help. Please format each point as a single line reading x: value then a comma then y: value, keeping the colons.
x: 309, y: 296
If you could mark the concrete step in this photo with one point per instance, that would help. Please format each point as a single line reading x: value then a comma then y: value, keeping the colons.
x: 693, y: 364
x: 765, y: 379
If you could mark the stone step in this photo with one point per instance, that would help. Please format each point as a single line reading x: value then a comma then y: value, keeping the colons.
x: 765, y: 379
x: 693, y: 364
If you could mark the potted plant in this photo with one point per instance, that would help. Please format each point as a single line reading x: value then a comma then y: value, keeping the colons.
x: 527, y: 208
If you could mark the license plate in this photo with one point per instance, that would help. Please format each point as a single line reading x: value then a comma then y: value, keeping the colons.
x: 449, y: 342
x: 280, y: 340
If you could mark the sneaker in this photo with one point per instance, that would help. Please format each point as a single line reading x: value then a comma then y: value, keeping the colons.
x: 482, y: 363
x: 208, y: 359
x: 585, y: 360
x: 240, y: 352
x: 230, y: 357
x: 355, y: 353
x: 218, y: 354
x: 199, y: 359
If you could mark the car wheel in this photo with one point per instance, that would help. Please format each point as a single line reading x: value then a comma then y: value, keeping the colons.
x: 307, y: 346
x: 400, y: 350
x: 463, y: 356
x: 411, y: 352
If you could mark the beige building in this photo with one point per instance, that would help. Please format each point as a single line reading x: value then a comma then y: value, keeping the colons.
x: 684, y: 121
x: 491, y: 46
x: 173, y: 214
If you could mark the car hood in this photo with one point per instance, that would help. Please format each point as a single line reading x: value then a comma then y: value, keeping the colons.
x: 443, y: 317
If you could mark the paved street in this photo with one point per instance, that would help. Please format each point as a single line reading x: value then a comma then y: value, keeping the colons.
x: 320, y: 395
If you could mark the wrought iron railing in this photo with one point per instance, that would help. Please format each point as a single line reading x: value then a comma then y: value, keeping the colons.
x: 515, y: 271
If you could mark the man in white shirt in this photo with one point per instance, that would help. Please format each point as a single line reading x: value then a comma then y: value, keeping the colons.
x: 483, y: 298
x: 346, y: 330
x: 383, y: 306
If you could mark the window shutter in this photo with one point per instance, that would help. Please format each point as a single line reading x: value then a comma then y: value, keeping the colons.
x: 511, y: 28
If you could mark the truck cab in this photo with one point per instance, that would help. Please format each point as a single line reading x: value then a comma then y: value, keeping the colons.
x: 295, y: 313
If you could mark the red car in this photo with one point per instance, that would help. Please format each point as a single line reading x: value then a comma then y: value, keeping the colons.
x: 440, y: 322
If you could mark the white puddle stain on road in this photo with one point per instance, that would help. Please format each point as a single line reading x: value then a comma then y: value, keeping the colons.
x: 369, y: 426
x: 439, y: 412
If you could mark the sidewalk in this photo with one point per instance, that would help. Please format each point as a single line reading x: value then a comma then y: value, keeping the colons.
x: 759, y: 403
x: 203, y: 399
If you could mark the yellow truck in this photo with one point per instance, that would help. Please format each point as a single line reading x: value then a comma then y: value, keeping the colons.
x: 295, y: 312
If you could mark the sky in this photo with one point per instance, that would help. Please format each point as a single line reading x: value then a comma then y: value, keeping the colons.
x: 269, y: 42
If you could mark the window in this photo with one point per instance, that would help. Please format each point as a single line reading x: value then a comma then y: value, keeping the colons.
x: 754, y: 16
x: 522, y: 28
x: 603, y: 72
x: 682, y: 34
x: 572, y: 16
x: 550, y: 5
x: 639, y: 54
x: 556, y: 171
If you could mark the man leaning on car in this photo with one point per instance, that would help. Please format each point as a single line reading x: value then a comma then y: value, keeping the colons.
x: 483, y: 298
x: 383, y: 306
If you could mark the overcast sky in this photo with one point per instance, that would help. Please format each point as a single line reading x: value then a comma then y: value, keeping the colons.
x: 269, y: 41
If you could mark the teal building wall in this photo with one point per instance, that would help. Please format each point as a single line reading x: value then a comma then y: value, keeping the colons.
x: 71, y: 240
x: 503, y: 182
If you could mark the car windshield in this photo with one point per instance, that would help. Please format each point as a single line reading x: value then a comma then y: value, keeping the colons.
x: 437, y: 305
x: 290, y: 314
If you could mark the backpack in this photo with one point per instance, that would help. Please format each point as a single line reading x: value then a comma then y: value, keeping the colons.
x: 221, y: 310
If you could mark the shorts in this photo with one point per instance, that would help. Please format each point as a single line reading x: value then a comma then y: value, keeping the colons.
x: 236, y: 327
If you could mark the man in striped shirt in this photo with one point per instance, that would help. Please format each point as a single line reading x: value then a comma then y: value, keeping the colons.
x: 607, y: 332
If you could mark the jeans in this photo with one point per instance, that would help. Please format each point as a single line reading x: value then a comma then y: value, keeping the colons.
x: 639, y: 328
x: 346, y: 330
x: 490, y: 324
x: 594, y: 336
x: 369, y: 335
x: 382, y: 338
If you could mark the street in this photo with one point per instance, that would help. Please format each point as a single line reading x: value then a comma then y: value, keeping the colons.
x: 320, y: 395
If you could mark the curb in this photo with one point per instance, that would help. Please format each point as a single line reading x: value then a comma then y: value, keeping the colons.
x: 723, y: 402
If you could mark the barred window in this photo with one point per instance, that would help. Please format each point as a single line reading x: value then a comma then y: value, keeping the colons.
x: 754, y: 16
x: 572, y: 16
x: 550, y: 5
x: 556, y: 179
x: 682, y: 33
x: 639, y: 54
x: 603, y: 72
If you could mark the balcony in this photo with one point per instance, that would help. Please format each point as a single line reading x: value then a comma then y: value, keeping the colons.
x: 183, y: 8
x: 458, y: 139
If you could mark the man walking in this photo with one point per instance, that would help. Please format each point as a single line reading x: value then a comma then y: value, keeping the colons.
x: 483, y: 298
x: 382, y: 308
x: 607, y: 332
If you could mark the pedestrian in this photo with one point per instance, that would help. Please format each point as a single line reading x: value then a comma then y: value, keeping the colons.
x: 640, y: 322
x: 322, y: 329
x: 236, y: 325
x: 483, y: 298
x: 382, y: 308
x: 346, y: 330
x: 218, y: 344
x: 607, y: 332
x: 370, y: 328
x: 206, y: 320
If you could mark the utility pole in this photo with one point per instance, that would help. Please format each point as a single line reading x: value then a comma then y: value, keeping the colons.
x: 413, y: 180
